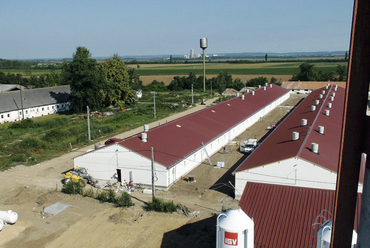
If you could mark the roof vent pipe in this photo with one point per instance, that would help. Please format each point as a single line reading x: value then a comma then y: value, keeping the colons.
x: 266, y: 84
x: 317, y: 102
x: 313, y: 108
x: 321, y: 129
x: 334, y: 94
x: 144, y: 137
x: 247, y: 91
x: 336, y: 88
x: 329, y: 104
x: 242, y: 97
x: 327, y: 86
x: 332, y: 98
x: 146, y: 128
x: 327, y: 112
x: 323, y: 92
x: 320, y: 96
x: 259, y: 86
x: 264, y: 87
x: 315, y: 147
x: 295, y: 135
x: 237, y: 94
x: 270, y: 85
x: 253, y: 93
x: 304, y: 122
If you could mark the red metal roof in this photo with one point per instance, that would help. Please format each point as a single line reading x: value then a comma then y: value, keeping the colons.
x: 279, y: 145
x: 177, y: 139
x: 284, y: 215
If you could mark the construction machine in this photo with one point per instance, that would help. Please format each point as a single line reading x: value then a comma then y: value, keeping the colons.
x: 80, y: 175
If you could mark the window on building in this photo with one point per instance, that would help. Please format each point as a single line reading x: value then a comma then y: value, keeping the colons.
x: 42, y: 109
x: 2, y: 116
x: 8, y: 115
x: 48, y: 108
x: 52, y: 107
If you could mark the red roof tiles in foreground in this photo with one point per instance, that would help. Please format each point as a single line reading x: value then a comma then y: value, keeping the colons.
x: 284, y: 216
x: 175, y: 140
x: 279, y: 145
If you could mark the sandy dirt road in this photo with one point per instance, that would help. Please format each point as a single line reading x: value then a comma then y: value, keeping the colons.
x: 88, y: 223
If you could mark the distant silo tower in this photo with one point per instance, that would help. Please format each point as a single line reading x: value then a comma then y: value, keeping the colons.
x: 203, y: 45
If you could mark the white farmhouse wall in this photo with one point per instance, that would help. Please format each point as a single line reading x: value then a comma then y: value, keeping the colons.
x: 16, y: 115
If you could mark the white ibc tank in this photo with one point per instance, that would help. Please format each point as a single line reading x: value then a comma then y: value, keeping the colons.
x: 1, y: 225
x: 9, y: 216
x: 235, y: 230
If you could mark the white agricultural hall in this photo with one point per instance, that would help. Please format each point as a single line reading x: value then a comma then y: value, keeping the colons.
x: 181, y: 145
x: 304, y: 149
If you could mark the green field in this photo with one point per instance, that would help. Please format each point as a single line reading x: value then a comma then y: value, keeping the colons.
x: 283, y: 68
x: 215, y: 68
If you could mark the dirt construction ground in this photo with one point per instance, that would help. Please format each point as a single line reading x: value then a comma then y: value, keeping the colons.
x: 88, y: 223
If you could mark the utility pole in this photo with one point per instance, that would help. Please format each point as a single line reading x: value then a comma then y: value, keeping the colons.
x: 20, y: 89
x: 155, y: 114
x: 88, y: 122
x: 192, y: 95
x: 153, y: 187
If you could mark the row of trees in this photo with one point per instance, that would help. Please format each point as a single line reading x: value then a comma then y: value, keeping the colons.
x: 44, y: 80
x: 15, y: 64
x: 308, y: 72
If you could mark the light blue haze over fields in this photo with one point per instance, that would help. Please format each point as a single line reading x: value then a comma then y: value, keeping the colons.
x: 54, y: 28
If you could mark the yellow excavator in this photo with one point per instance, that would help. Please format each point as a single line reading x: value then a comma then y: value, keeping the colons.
x: 79, y: 175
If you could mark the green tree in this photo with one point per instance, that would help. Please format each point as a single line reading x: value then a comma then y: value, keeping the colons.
x: 255, y: 82
x: 342, y: 72
x: 266, y: 57
x: 307, y: 73
x: 117, y: 76
x: 86, y: 80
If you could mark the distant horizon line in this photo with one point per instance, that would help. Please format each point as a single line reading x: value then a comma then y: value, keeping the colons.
x: 235, y: 54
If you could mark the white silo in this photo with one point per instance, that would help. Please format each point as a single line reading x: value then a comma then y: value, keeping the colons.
x: 324, y: 236
x: 234, y: 229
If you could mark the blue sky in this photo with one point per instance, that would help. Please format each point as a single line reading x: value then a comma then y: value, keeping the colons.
x: 54, y: 28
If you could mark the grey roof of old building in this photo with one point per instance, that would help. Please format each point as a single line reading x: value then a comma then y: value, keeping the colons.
x: 11, y: 100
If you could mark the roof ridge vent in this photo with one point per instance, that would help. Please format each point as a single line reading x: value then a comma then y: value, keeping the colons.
x: 327, y: 112
x: 336, y: 88
x: 333, y: 94
x: 146, y: 128
x: 252, y: 92
x: 295, y: 136
x: 304, y: 122
x: 315, y: 147
x: 270, y: 85
x: 313, y: 108
x: 327, y: 86
x: 259, y: 86
x: 323, y: 92
x: 264, y: 87
x: 321, y: 129
x: 242, y: 97
x: 329, y: 104
x: 317, y: 102
x: 332, y: 98
x: 320, y: 96
x: 144, y: 137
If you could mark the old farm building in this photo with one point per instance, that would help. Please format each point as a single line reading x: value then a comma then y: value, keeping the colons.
x: 18, y: 105
x: 304, y: 149
x: 181, y: 145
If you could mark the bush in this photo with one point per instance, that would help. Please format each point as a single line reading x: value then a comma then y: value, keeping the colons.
x: 124, y: 200
x: 72, y: 188
x: 160, y: 205
x: 23, y: 124
x: 88, y: 193
x: 111, y: 196
x: 102, y: 196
